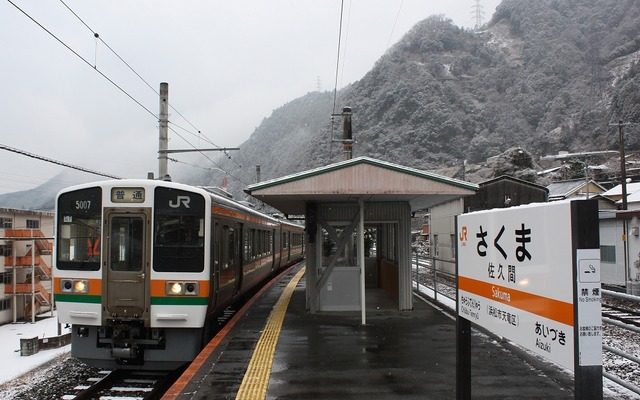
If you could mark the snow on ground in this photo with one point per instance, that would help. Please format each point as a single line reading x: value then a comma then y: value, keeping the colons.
x: 13, y: 364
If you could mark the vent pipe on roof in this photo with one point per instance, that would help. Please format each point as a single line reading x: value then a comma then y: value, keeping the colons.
x: 347, y: 136
x: 257, y: 173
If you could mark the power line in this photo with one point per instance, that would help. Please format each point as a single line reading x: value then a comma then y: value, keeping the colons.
x: 97, y: 36
x: 335, y: 87
x: 207, y: 157
x: 52, y: 161
x: 83, y: 59
x: 199, y: 135
x: 394, y: 23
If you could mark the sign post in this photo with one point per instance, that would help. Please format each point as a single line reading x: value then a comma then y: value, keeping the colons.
x: 531, y: 274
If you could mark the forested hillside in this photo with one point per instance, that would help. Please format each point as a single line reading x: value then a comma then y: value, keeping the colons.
x: 545, y: 75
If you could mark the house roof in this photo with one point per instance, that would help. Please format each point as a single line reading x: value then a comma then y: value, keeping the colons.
x: 632, y: 188
x: 362, y: 177
x: 513, y: 179
x: 564, y: 189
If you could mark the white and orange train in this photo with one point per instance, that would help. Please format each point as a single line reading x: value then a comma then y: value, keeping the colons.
x: 144, y: 267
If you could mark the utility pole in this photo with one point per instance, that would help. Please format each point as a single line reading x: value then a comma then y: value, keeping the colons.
x: 163, y: 146
x: 163, y: 172
x: 623, y: 184
x: 623, y: 168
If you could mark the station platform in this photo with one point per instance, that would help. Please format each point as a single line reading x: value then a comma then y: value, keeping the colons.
x: 396, y: 355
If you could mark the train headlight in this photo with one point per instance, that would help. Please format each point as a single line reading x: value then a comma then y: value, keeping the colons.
x: 80, y: 286
x: 175, y: 288
x: 74, y: 286
x: 183, y: 288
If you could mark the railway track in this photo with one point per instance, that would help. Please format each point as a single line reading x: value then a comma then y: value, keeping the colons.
x: 125, y: 384
x: 622, y: 314
x: 135, y: 385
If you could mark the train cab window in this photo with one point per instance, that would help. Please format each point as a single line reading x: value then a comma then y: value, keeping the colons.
x: 126, y: 244
x: 78, y: 239
x: 178, y: 231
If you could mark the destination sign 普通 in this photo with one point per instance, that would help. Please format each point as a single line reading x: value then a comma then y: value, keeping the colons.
x: 127, y: 195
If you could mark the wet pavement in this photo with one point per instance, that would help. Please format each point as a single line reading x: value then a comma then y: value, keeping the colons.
x: 397, y: 355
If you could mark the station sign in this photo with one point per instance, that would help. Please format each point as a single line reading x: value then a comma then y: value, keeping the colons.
x: 521, y: 277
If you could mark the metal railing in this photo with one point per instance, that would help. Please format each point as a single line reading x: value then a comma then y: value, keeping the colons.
x: 434, y: 281
x: 626, y: 331
x: 441, y: 286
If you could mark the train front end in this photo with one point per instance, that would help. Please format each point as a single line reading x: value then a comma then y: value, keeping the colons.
x: 132, y: 272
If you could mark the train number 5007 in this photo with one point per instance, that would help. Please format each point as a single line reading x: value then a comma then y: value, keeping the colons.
x: 83, y: 205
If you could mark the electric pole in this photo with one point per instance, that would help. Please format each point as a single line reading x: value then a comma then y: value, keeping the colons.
x: 163, y: 147
x: 163, y: 172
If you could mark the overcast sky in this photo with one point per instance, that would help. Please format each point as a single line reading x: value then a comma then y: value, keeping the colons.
x: 229, y: 64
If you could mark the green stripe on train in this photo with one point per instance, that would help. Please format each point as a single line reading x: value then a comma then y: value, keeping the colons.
x: 179, y: 301
x: 156, y: 301
x: 78, y: 298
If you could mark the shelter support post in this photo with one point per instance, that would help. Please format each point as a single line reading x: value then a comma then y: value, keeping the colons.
x: 361, y: 263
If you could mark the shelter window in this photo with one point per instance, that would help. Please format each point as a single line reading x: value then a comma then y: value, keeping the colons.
x: 608, y: 254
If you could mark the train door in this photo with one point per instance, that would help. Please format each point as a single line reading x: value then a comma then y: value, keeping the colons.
x: 228, y: 263
x: 127, y: 251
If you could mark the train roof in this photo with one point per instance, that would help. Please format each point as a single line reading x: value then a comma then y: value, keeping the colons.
x: 217, y: 195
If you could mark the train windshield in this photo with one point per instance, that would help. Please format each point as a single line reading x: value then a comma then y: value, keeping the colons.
x: 179, y: 231
x: 79, y: 235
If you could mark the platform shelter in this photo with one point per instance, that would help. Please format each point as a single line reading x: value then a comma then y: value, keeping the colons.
x: 358, y: 226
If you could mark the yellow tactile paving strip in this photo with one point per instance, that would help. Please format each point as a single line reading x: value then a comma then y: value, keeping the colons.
x: 256, y: 379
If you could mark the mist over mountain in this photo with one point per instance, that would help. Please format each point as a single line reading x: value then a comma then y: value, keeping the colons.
x: 543, y: 76
x: 42, y: 198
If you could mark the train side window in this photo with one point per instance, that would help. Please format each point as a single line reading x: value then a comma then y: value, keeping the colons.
x: 247, y: 244
x: 231, y: 247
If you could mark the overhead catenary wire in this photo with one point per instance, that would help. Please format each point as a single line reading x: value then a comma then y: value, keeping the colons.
x: 83, y: 59
x: 199, y: 134
x: 394, y: 24
x: 346, y: 42
x: 96, y: 35
x: 52, y: 161
x: 208, y: 158
x: 335, y: 86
